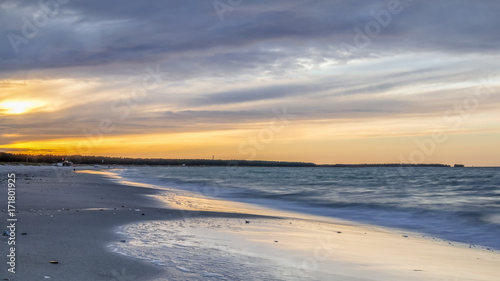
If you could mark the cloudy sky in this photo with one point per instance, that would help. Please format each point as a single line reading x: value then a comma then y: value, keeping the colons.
x: 339, y: 81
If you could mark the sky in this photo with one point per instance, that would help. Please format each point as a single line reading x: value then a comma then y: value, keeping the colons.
x: 339, y: 81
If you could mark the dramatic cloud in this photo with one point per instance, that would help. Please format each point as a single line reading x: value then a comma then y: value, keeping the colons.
x: 170, y: 67
x: 87, y: 33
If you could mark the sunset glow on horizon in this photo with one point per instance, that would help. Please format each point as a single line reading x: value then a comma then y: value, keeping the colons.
x: 324, y: 82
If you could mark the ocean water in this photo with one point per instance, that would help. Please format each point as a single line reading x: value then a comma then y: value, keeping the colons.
x: 456, y: 204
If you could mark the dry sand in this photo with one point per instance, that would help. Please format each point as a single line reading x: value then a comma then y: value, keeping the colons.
x: 58, y: 225
x: 70, y: 217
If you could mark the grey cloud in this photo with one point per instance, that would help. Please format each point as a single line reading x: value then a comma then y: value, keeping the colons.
x: 104, y: 32
x: 110, y: 40
x: 256, y: 94
x: 349, y: 84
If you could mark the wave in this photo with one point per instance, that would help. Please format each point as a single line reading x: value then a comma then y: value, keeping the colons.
x: 439, y: 202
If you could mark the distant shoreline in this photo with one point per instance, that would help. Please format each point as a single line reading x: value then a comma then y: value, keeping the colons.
x: 10, y: 158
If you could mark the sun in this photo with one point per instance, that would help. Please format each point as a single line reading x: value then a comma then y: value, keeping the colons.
x: 18, y: 107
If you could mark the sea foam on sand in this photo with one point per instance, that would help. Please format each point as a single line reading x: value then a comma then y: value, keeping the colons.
x: 222, y: 248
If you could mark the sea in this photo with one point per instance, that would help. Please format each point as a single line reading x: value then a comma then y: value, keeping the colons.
x: 455, y: 204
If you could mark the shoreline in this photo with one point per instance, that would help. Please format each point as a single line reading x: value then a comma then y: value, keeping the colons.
x: 73, y: 218
x: 96, y: 160
x: 63, y: 222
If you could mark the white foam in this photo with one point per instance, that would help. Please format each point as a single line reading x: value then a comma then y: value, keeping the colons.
x: 228, y: 249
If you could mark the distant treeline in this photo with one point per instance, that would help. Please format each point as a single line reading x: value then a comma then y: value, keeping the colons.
x: 382, y: 165
x: 104, y: 160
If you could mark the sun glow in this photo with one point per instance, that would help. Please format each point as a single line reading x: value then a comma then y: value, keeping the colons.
x: 18, y: 107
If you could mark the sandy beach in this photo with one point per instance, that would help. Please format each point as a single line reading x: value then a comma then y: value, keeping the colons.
x: 82, y: 221
x: 63, y: 222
